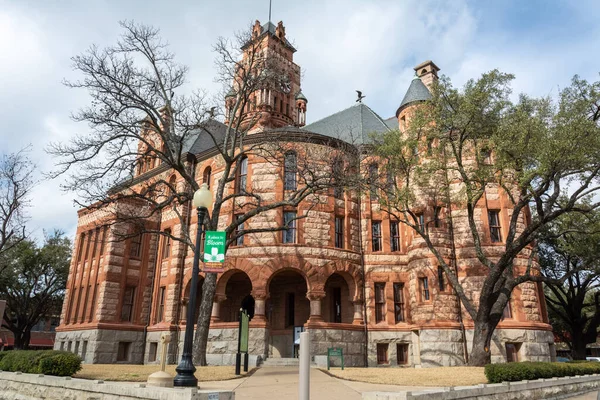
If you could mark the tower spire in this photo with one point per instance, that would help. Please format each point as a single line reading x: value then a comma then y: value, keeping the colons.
x: 270, y: 10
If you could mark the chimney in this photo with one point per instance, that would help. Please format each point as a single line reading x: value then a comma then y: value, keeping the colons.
x: 427, y: 71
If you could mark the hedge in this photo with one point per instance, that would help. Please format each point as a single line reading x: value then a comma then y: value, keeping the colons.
x: 519, y: 371
x: 47, y: 362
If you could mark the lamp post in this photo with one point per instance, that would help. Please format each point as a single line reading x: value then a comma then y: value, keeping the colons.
x: 203, y: 202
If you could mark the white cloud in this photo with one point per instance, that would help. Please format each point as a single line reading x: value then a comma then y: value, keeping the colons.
x: 343, y: 45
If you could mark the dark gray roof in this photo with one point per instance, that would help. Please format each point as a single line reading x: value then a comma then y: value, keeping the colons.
x: 301, y: 96
x: 417, y: 91
x: 352, y: 125
x: 201, y: 140
x: 392, y: 123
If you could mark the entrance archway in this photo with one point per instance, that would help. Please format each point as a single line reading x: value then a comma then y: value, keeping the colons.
x: 287, y: 308
x: 237, y: 291
x: 336, y: 306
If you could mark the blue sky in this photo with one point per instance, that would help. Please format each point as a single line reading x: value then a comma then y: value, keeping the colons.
x: 342, y: 45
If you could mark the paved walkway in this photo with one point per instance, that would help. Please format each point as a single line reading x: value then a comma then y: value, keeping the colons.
x: 587, y: 396
x: 282, y: 383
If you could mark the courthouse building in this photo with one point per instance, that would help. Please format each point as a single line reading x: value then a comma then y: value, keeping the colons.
x: 347, y: 273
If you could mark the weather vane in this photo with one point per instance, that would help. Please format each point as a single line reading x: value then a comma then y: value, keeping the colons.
x: 360, y: 96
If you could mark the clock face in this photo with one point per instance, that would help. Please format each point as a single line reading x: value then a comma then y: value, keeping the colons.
x: 286, y: 86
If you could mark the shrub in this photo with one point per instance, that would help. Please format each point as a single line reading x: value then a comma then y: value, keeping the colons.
x: 62, y: 364
x: 49, y: 362
x: 512, y: 372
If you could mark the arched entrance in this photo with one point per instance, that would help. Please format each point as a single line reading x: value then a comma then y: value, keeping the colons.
x: 287, y: 307
x: 337, y: 306
x: 237, y: 292
x: 186, y: 297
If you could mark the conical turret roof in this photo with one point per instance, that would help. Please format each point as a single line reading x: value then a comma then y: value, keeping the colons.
x: 417, y: 92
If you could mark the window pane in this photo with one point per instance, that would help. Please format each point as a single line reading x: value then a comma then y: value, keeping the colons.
x: 424, y: 286
x: 436, y: 217
x: 290, y: 167
x: 242, y: 175
x: 135, y: 251
x: 494, y: 221
x: 441, y: 279
x: 382, y: 353
x: 339, y: 232
x: 166, y: 253
x: 376, y: 235
x: 398, y: 302
x: 127, y: 307
x: 402, y: 353
x: 239, y: 231
x: 380, y: 302
x: 289, y: 221
x: 394, y: 236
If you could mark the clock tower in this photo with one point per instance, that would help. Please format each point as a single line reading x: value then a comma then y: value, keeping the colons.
x: 278, y: 101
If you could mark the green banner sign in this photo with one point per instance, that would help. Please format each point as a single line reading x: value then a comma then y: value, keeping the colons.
x: 244, y: 330
x: 214, y: 247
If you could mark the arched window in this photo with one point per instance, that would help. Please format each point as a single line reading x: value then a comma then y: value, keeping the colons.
x: 290, y: 169
x: 206, y: 176
x: 242, y: 175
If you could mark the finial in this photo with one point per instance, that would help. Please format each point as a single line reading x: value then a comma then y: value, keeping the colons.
x: 270, y: 10
x: 360, y: 96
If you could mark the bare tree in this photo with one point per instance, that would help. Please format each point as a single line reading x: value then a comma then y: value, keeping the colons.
x: 16, y: 182
x: 462, y: 147
x: 144, y: 128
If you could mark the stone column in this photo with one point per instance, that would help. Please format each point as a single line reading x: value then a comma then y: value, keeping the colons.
x: 358, y: 313
x: 216, y: 308
x: 316, y: 297
x: 259, y: 306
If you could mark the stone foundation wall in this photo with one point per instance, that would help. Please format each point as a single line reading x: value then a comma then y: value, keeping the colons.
x: 441, y: 347
x: 554, y: 388
x: 223, y: 345
x: 101, y: 346
x: 444, y: 347
x: 534, y: 345
x: 392, y: 339
x: 352, y: 343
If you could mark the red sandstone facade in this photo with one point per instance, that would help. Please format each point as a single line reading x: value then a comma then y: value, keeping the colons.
x: 350, y: 276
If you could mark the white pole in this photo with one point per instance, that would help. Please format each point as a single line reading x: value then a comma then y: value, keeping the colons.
x: 304, y: 381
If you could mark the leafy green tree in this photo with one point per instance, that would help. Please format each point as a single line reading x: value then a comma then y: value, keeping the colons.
x: 570, y: 248
x: 461, y: 146
x: 32, y: 282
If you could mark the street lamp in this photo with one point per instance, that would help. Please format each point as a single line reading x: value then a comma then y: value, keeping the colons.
x: 203, y: 202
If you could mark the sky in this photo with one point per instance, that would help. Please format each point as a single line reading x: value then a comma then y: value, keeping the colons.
x: 343, y: 45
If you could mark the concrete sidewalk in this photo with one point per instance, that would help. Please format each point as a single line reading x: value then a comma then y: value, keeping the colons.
x: 587, y: 396
x: 282, y: 383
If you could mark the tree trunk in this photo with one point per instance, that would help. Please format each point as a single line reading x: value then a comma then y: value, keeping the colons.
x: 203, y: 324
x: 22, y: 339
x: 578, y: 347
x: 482, y: 337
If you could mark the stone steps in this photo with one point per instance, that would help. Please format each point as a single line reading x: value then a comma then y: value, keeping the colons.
x: 281, y: 362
